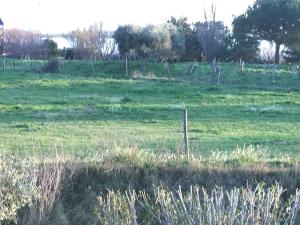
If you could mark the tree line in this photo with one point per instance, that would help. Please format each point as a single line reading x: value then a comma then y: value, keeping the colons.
x: 277, y: 21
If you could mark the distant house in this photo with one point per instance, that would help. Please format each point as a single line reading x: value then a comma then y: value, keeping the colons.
x: 62, y: 42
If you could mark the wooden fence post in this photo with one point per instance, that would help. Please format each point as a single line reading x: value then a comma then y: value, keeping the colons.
x: 4, y: 62
x: 274, y: 67
x: 185, y: 131
x: 126, y: 66
x: 243, y: 66
x: 192, y: 69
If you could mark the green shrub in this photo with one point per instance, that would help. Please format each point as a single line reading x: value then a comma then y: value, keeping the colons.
x: 17, y: 187
x: 51, y: 66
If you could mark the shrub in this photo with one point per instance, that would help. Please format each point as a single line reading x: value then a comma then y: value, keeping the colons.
x: 51, y: 66
x: 17, y: 187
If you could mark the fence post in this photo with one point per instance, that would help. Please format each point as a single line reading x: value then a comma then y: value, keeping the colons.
x: 243, y: 66
x: 274, y: 67
x: 167, y: 68
x: 126, y: 66
x: 4, y: 62
x: 192, y: 69
x: 185, y: 131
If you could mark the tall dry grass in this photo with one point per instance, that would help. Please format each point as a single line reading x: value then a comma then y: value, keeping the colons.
x: 51, y: 175
x: 239, y: 206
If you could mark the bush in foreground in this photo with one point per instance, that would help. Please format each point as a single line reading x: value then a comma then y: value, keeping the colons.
x: 17, y: 187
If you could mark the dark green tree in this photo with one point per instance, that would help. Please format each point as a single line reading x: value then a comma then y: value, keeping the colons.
x: 225, y: 52
x: 52, y: 53
x: 52, y: 49
x: 245, y: 45
x: 273, y: 20
x: 128, y: 38
x: 189, y: 48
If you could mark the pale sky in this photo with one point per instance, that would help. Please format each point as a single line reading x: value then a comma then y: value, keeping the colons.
x: 62, y: 16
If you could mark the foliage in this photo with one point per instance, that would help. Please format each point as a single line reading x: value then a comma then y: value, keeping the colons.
x: 245, y: 44
x: 156, y: 40
x: 291, y: 56
x: 189, y: 48
x: 166, y: 41
x: 51, y: 46
x: 274, y: 21
x: 127, y: 38
x: 17, y: 187
x: 92, y: 42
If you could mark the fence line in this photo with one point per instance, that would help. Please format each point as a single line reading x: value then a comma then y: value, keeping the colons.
x: 229, y: 73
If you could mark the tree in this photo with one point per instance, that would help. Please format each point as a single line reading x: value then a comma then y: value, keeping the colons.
x: 127, y: 38
x: 211, y: 35
x: 51, y: 48
x: 274, y: 20
x: 51, y: 53
x: 245, y: 45
x: 226, y: 49
x: 93, y: 42
x: 21, y: 44
x: 185, y: 42
x: 151, y: 41
x: 158, y: 39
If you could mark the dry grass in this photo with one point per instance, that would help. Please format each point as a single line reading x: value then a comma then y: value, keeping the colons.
x: 247, y: 206
x: 51, y: 175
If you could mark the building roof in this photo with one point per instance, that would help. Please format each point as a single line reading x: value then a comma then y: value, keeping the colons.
x: 1, y: 22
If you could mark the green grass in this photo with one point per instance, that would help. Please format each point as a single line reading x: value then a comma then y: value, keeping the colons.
x: 79, y: 111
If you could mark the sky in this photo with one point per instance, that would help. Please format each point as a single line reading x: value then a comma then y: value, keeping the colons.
x: 63, y: 16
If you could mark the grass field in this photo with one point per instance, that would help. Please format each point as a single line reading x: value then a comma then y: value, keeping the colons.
x: 78, y: 111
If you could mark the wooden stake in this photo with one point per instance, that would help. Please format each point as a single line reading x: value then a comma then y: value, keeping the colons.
x: 219, y: 75
x: 167, y: 68
x: 126, y: 66
x: 185, y: 131
x: 192, y: 69
x: 243, y: 66
x: 273, y: 72
x: 92, y: 65
x: 4, y: 63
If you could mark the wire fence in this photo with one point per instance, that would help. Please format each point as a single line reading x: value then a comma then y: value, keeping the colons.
x: 254, y: 75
